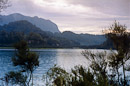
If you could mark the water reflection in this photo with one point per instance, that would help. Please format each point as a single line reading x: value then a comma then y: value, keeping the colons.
x: 68, y: 58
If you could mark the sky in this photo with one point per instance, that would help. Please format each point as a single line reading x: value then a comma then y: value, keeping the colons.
x: 79, y: 16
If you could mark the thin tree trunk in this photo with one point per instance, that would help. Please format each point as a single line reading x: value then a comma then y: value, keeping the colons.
x: 124, y: 73
x: 32, y: 78
x: 118, y: 75
x: 29, y: 80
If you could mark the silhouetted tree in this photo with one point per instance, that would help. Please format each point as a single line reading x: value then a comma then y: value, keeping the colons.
x: 121, y: 40
x: 78, y: 76
x: 15, y: 78
x: 98, y: 63
x: 27, y: 61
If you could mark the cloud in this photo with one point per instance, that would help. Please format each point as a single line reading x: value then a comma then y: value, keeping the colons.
x: 88, y: 16
x: 114, y: 7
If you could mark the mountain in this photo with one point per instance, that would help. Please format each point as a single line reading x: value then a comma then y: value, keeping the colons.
x: 23, y: 30
x: 45, y: 25
x: 20, y: 26
x: 83, y: 39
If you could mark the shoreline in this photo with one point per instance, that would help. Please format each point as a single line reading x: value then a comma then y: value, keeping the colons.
x: 37, y: 49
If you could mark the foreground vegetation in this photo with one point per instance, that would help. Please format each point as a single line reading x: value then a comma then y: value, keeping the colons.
x: 26, y: 61
x: 106, y: 69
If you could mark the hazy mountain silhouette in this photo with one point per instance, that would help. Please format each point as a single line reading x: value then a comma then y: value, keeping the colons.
x: 45, y: 25
x: 24, y: 30
x: 20, y: 26
x: 83, y: 39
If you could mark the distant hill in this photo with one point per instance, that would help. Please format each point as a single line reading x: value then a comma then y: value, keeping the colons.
x: 108, y: 44
x: 24, y: 30
x: 83, y: 39
x: 45, y: 25
x: 20, y: 26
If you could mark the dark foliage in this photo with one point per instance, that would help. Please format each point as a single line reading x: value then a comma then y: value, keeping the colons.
x: 15, y: 78
x: 83, y: 39
x: 27, y: 62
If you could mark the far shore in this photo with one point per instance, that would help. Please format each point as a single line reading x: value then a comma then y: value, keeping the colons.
x: 39, y: 48
x: 12, y: 48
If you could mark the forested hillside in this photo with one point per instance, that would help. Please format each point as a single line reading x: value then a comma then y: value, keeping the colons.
x: 24, y: 30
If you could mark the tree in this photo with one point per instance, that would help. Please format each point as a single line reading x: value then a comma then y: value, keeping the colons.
x: 121, y: 40
x: 78, y: 76
x: 35, y: 40
x: 27, y: 62
x: 98, y: 64
x: 114, y: 65
x: 15, y: 78
x: 3, y: 4
x: 57, y: 76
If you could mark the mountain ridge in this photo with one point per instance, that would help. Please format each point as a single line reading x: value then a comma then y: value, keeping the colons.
x: 23, y: 30
x: 20, y: 26
x: 83, y: 39
x: 45, y: 25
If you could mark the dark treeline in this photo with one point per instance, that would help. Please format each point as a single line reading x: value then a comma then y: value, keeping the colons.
x: 108, y: 44
x: 7, y: 39
x: 83, y: 39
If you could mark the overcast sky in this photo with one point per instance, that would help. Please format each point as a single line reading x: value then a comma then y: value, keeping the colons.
x: 80, y: 16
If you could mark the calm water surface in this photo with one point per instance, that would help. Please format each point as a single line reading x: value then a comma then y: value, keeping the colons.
x: 66, y: 58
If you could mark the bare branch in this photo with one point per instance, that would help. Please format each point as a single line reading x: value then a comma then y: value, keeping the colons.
x: 4, y: 4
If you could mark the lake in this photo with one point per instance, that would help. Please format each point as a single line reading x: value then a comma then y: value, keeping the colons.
x: 65, y: 58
